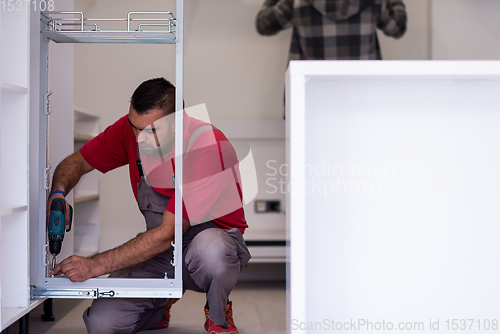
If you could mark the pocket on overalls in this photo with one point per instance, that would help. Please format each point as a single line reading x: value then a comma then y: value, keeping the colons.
x: 150, y: 200
x: 152, y: 205
x: 149, y: 205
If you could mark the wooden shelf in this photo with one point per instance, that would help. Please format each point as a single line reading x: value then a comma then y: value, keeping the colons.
x: 83, y: 116
x: 86, y: 252
x: 83, y: 138
x: 84, y: 198
x: 10, y: 209
x: 8, y: 88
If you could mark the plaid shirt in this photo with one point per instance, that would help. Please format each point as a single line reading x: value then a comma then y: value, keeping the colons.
x: 333, y: 29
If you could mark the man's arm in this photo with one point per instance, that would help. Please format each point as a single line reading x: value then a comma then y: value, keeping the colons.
x: 393, y: 18
x: 69, y: 172
x: 66, y: 176
x: 137, y: 250
x: 275, y: 15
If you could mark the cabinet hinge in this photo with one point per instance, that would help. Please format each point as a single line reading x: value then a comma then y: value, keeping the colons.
x: 46, y: 183
x: 46, y: 103
x: 45, y: 252
x: 174, y: 255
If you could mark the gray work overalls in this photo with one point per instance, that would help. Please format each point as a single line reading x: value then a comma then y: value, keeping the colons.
x: 212, y: 260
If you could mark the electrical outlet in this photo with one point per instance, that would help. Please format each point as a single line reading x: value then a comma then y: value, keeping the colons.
x: 267, y: 206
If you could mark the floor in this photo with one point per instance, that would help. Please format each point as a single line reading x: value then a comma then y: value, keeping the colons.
x: 259, y: 307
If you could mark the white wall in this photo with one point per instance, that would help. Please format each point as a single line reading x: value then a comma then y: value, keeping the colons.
x: 415, y: 44
x: 466, y: 29
x: 237, y: 73
x: 228, y: 66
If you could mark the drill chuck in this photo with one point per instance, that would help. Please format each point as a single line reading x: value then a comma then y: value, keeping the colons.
x: 55, y: 244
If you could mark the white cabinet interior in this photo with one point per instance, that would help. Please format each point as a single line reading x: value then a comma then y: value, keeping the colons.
x: 86, y: 192
x: 397, y: 211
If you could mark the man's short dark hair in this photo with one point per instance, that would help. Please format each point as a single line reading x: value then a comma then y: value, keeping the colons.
x: 157, y: 93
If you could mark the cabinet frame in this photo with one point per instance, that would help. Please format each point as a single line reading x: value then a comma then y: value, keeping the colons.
x: 44, y: 286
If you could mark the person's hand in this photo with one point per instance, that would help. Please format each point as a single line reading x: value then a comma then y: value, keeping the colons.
x: 49, y: 204
x: 76, y: 268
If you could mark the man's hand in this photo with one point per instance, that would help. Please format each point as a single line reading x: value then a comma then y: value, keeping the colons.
x: 76, y: 268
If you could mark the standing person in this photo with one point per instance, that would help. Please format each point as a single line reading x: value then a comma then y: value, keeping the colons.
x: 333, y: 29
x: 214, y: 251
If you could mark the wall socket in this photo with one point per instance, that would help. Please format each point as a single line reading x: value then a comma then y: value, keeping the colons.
x: 267, y: 206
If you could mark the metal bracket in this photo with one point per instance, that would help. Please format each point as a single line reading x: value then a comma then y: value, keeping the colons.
x: 46, y: 184
x: 174, y: 255
x: 46, y: 103
x: 45, y: 252
x: 45, y: 291
x: 66, y: 293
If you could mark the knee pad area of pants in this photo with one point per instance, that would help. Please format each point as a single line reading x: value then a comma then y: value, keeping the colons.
x: 107, y: 321
x: 211, y: 249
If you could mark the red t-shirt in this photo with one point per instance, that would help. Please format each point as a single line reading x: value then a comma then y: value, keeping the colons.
x: 211, y: 175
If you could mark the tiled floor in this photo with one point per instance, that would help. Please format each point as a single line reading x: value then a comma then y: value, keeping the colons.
x: 259, y: 307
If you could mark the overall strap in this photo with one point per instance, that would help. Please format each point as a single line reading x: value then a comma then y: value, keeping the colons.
x: 139, y: 163
x: 197, y: 133
x: 194, y: 136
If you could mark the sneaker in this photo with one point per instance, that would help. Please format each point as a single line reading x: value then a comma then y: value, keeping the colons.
x: 227, y: 327
x: 165, y: 319
x: 228, y: 313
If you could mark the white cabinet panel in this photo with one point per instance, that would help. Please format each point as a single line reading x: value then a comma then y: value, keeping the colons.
x: 14, y: 243
x: 397, y: 219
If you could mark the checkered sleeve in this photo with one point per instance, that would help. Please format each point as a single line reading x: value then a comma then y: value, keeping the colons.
x: 392, y: 19
x: 275, y: 15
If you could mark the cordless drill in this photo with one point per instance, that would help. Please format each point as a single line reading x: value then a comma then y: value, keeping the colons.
x: 57, y: 225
